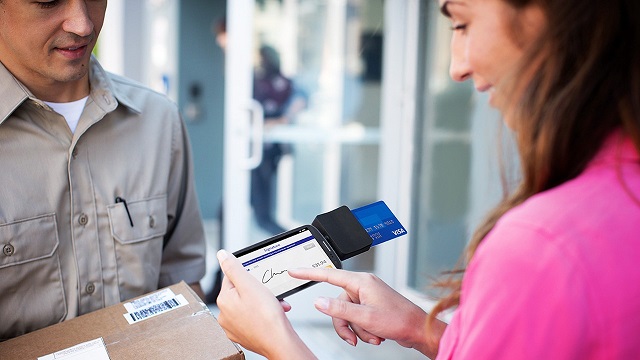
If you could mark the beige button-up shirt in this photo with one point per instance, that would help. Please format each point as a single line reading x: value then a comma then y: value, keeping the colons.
x: 93, y: 218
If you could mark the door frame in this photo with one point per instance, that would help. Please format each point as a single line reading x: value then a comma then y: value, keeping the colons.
x: 397, y: 123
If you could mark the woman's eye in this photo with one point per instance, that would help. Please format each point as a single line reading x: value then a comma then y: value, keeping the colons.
x: 459, y: 27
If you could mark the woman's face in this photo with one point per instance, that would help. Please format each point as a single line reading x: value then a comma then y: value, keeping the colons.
x: 488, y: 42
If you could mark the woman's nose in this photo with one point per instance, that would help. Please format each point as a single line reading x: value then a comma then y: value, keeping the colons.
x: 459, y: 68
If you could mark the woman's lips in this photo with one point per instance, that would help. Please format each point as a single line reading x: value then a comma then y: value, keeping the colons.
x: 483, y: 88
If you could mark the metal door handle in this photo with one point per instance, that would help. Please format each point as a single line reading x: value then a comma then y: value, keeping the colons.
x: 256, y: 129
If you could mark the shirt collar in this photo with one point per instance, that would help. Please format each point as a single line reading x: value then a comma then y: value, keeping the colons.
x: 103, y: 91
x: 12, y: 93
x: 617, y: 147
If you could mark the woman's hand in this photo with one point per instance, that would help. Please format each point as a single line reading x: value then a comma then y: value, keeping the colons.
x: 251, y: 316
x: 371, y: 310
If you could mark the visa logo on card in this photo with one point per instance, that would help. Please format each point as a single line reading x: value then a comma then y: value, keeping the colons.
x: 379, y: 222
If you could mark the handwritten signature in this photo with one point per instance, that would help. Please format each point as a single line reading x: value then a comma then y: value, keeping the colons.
x: 269, y: 274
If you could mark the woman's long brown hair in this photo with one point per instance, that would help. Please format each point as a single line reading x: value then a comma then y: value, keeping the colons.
x: 587, y: 84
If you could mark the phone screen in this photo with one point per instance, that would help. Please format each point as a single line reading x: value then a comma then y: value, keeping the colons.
x: 269, y: 260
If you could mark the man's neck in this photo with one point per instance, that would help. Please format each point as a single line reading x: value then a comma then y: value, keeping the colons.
x: 62, y: 92
x: 47, y: 89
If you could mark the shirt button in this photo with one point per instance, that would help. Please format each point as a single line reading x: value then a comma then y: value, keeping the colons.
x: 152, y: 222
x: 8, y: 250
x: 83, y: 219
x: 74, y: 153
x: 90, y: 288
x: 106, y: 99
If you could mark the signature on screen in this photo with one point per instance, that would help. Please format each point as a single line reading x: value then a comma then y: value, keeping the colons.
x: 270, y: 274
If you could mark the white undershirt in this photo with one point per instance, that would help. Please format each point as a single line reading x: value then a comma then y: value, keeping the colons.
x: 71, y: 111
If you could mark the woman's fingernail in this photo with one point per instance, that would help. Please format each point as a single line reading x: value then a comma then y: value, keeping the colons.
x: 374, y: 342
x: 350, y: 342
x: 322, y: 303
x: 222, y: 255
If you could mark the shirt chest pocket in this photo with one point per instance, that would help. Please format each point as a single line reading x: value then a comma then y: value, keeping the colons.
x: 138, y: 228
x: 31, y: 291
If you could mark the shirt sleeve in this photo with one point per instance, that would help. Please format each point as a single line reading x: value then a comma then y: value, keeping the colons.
x: 183, y: 255
x: 523, y: 297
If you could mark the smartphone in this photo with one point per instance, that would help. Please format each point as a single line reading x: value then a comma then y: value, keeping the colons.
x: 269, y: 260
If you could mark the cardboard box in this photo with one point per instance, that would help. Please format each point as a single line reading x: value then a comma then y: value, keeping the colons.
x: 172, y: 323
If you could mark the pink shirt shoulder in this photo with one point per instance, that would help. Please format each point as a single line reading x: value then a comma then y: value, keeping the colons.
x: 558, y: 277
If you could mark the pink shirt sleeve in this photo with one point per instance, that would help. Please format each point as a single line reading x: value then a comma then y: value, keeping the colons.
x: 524, y: 296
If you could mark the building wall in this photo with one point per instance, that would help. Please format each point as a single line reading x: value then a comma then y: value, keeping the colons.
x: 201, y: 95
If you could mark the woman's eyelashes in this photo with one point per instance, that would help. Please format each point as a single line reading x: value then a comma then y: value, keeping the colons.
x: 459, y: 27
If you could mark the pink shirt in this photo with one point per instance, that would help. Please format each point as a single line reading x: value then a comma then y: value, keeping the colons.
x: 559, y: 275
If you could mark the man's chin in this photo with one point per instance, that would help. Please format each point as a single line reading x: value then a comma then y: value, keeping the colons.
x: 72, y: 74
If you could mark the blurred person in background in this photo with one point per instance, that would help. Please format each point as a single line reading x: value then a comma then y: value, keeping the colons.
x: 281, y: 101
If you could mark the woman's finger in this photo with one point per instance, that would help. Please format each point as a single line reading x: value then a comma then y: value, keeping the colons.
x: 285, y: 306
x: 341, y: 278
x: 344, y: 331
x: 365, y: 336
x: 226, y: 284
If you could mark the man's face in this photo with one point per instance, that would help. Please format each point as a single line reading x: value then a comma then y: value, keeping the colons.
x: 49, y: 43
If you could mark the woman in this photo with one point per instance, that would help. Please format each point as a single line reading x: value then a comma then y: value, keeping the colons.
x: 552, y: 271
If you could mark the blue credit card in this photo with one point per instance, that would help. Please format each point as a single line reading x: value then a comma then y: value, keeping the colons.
x: 379, y: 222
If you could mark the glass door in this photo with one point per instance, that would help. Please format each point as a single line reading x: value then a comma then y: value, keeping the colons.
x: 239, y: 113
x: 449, y: 159
x: 302, y: 123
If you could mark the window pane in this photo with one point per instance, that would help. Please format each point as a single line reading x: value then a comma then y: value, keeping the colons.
x: 448, y: 183
x: 332, y: 53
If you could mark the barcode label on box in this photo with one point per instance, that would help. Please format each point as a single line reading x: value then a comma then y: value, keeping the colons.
x: 154, y: 298
x: 160, y: 305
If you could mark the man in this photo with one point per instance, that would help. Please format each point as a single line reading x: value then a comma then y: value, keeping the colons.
x: 97, y: 201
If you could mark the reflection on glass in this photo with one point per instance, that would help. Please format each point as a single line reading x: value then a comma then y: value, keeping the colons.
x: 442, y: 180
